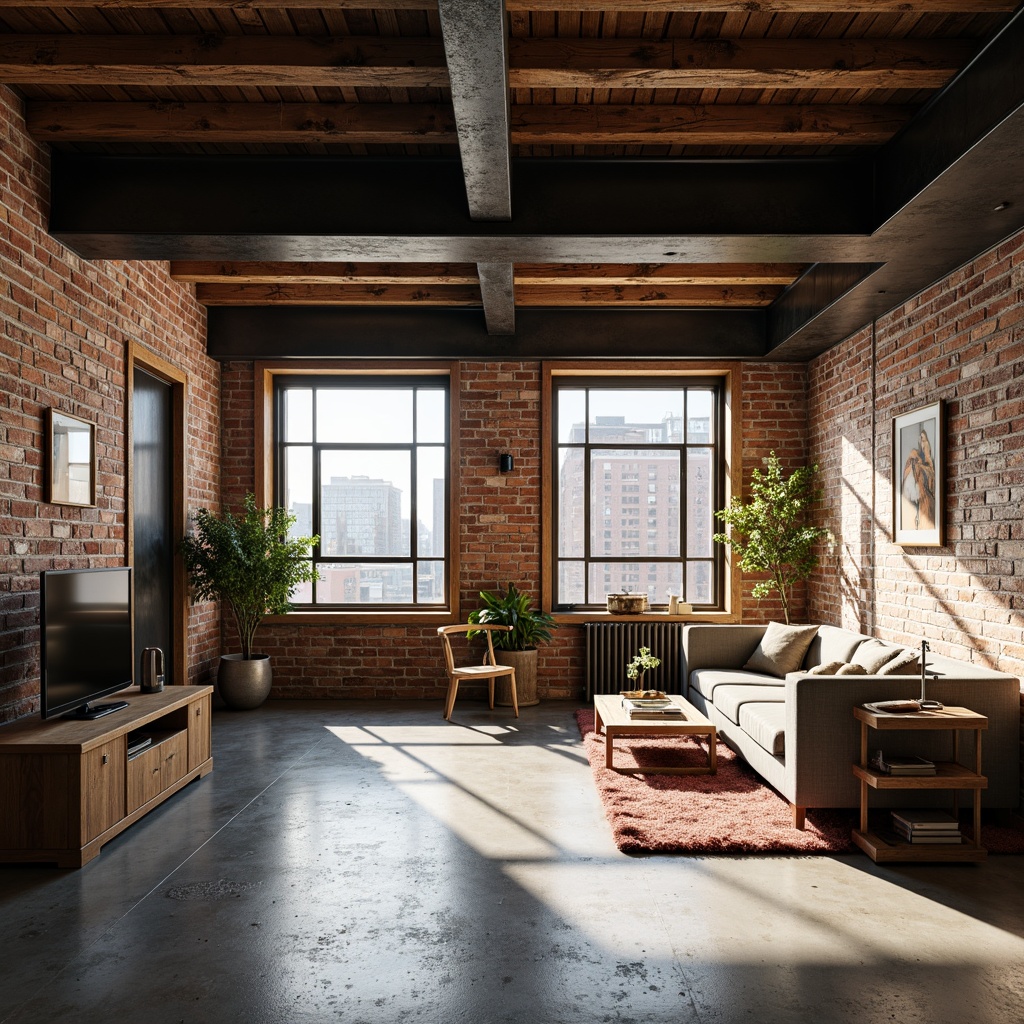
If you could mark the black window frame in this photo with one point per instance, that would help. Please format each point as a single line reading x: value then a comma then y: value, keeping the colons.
x: 370, y: 380
x: 718, y: 442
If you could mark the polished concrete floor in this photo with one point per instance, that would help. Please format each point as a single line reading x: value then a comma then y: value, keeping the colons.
x: 373, y: 863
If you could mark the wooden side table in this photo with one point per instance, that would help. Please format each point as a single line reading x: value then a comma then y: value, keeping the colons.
x: 949, y: 775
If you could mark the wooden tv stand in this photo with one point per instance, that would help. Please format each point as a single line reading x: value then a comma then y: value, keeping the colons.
x: 68, y: 786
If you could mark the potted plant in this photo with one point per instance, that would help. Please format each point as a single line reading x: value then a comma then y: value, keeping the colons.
x: 772, y: 533
x: 518, y: 648
x: 249, y: 561
x: 641, y: 664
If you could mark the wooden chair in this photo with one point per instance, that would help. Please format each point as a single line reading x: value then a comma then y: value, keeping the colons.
x: 489, y: 670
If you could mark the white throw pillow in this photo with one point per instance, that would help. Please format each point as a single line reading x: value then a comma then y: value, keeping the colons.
x: 906, y: 663
x: 871, y: 655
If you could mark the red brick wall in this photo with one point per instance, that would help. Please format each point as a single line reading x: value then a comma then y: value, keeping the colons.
x: 64, y: 327
x: 499, y: 519
x: 961, y: 341
x: 774, y: 418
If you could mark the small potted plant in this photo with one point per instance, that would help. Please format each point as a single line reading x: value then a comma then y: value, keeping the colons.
x: 639, y: 666
x: 250, y: 562
x: 518, y: 648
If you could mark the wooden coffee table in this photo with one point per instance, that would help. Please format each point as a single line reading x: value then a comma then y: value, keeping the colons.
x: 610, y: 713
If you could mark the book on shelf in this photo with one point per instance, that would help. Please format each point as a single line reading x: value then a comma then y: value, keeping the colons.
x: 892, y: 764
x: 926, y: 826
x: 929, y: 837
x: 926, y: 819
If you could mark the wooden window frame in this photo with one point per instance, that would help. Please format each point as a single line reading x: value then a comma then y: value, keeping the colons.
x: 729, y: 374
x: 265, y: 375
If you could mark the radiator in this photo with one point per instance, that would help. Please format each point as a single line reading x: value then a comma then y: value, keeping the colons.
x: 612, y: 645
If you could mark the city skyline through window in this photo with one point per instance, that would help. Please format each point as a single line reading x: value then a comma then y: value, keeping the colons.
x: 363, y: 465
x: 638, y: 482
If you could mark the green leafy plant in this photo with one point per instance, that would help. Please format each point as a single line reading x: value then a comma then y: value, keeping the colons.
x: 249, y: 561
x: 640, y: 664
x: 773, y: 533
x: 530, y: 627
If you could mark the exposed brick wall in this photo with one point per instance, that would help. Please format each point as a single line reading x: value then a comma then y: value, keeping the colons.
x: 774, y: 416
x: 961, y: 341
x: 499, y: 530
x: 64, y: 327
x: 499, y: 519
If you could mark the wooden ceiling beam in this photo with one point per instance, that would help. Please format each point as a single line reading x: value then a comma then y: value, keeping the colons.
x: 646, y: 6
x: 647, y: 296
x: 659, y: 275
x: 433, y: 274
x: 337, y: 295
x: 403, y: 123
x: 750, y: 124
x: 218, y: 60
x: 736, y: 63
x: 740, y: 125
x: 756, y: 6
x: 213, y: 59
x: 559, y: 274
x: 636, y: 296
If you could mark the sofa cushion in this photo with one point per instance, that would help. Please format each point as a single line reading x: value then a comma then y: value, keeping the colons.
x: 873, y: 654
x: 833, y: 643
x: 906, y: 663
x: 730, y: 699
x: 782, y: 649
x: 851, y: 669
x: 707, y: 680
x: 765, y: 724
x: 826, y: 668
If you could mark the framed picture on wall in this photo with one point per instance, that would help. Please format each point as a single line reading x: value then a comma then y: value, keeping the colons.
x: 918, y: 505
x: 70, y: 460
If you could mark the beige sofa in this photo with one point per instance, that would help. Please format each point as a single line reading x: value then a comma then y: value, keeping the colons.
x: 799, y: 732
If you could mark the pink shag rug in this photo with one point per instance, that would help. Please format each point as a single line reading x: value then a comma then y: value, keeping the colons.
x: 732, y: 811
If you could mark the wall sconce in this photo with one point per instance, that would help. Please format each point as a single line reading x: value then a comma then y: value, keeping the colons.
x: 505, y: 463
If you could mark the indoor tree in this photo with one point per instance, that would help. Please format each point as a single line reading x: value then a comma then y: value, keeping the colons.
x: 773, y: 532
x: 249, y: 561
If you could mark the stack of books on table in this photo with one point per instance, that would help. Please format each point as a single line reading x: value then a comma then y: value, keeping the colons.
x: 925, y: 826
x: 638, y: 707
x: 899, y: 765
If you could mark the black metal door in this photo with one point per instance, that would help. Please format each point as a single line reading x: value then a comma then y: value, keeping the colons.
x: 152, y: 506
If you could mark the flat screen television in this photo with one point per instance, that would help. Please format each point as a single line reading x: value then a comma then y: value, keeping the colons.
x: 85, y: 627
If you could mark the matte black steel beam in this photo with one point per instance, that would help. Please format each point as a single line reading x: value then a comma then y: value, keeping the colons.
x: 949, y: 187
x: 475, y: 46
x: 319, y: 332
x: 567, y: 211
x: 985, y: 94
x: 822, y: 287
x: 497, y: 289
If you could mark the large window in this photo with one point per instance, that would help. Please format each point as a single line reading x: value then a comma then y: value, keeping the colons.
x: 364, y: 463
x: 638, y: 467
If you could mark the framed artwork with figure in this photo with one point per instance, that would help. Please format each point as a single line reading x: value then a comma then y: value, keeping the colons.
x: 918, y: 506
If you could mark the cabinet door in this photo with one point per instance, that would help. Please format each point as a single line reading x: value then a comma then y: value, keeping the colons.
x: 156, y: 769
x: 199, y: 726
x: 103, y: 787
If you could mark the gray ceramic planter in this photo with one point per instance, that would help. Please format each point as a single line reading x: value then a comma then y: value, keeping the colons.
x: 244, y: 685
